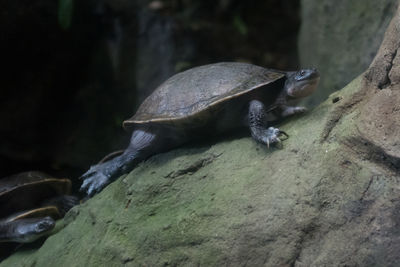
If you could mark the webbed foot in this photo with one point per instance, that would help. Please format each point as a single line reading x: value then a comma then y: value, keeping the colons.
x: 96, y: 178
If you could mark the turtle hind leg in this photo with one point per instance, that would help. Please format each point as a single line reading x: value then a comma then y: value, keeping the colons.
x: 100, y: 175
x: 144, y: 143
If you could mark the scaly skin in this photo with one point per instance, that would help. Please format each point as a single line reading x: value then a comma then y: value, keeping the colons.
x: 25, y: 230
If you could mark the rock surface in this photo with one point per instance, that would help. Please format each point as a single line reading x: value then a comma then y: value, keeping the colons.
x: 341, y: 38
x: 330, y: 197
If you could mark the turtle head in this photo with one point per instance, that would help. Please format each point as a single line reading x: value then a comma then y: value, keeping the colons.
x: 301, y: 83
x: 28, y: 230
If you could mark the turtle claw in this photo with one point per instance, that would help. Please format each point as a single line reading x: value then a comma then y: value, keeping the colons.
x: 271, y: 136
x: 94, y: 184
x: 94, y: 180
x: 91, y: 171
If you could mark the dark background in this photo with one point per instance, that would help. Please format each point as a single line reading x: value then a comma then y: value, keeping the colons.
x: 66, y: 88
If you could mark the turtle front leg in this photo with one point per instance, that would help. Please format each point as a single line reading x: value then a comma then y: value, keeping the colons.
x: 142, y: 145
x: 257, y: 120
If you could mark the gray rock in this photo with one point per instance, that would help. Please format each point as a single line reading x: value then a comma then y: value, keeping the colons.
x: 341, y: 38
x: 330, y: 197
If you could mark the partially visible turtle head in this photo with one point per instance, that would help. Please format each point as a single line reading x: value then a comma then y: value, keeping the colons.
x: 301, y: 83
x: 28, y: 230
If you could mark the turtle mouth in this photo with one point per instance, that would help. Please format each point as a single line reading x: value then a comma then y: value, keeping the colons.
x: 303, y: 88
x: 311, y: 81
x: 314, y: 75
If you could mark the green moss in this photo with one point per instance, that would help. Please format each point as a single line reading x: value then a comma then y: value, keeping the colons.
x: 234, y: 202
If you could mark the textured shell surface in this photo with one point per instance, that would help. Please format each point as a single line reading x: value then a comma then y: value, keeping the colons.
x: 186, y: 94
x: 21, y: 179
x: 27, y: 190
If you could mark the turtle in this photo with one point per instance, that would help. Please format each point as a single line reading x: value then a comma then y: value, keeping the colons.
x: 30, y: 202
x: 203, y: 101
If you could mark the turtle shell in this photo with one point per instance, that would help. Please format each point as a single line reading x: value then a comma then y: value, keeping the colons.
x: 191, y: 94
x: 41, y: 212
x: 25, y: 191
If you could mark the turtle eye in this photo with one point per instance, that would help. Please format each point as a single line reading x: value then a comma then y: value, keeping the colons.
x: 300, y: 75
